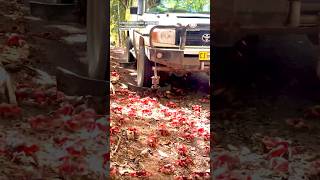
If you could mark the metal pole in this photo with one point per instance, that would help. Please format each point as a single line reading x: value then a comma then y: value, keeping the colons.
x: 97, y: 39
x: 295, y: 13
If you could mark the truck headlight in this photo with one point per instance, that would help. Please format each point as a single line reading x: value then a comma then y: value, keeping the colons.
x: 163, y: 36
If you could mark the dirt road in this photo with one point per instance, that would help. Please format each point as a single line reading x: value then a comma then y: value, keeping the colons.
x: 48, y: 135
x: 273, y: 95
x: 160, y: 135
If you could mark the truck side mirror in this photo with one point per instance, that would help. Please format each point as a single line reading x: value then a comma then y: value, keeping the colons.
x: 133, y: 10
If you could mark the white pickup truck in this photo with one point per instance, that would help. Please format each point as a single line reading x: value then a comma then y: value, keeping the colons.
x: 175, y: 38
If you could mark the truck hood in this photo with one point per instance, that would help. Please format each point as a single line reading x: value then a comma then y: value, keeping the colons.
x: 178, y: 18
x: 174, y: 19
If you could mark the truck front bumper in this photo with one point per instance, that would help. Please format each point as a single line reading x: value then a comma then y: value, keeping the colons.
x: 177, y: 60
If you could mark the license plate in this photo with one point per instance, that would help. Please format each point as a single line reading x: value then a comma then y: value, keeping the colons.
x: 204, y: 56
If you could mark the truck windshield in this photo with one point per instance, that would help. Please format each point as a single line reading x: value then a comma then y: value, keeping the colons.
x: 178, y: 6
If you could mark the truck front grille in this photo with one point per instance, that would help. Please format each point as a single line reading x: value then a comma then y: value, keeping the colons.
x: 194, y: 37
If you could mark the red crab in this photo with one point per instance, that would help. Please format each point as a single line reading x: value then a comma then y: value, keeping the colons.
x: 15, y: 40
x: 142, y: 173
x: 10, y: 111
x: 183, y: 150
x: 171, y: 104
x: 163, y: 130
x: 167, y: 169
x: 65, y: 110
x: 28, y: 150
x: 42, y: 122
x: 184, y: 162
x: 152, y: 141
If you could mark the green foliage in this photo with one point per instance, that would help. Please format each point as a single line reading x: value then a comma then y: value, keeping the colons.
x: 197, y: 5
x: 119, y: 11
x: 163, y: 6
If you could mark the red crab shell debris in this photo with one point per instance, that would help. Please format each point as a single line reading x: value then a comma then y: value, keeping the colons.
x: 204, y: 100
x: 183, y: 150
x: 117, y: 109
x: 85, y: 118
x: 28, y: 150
x: 115, y: 76
x: 163, y: 130
x: 233, y: 176
x: 200, y: 175
x: 10, y: 111
x: 72, y: 125
x: 275, y: 147
x: 114, y: 130
x: 146, y: 112
x: 15, y: 40
x: 23, y: 85
x: 297, y: 123
x: 106, y: 159
x: 279, y: 151
x: 112, y: 140
x: 113, y: 171
x: 60, y: 140
x: 135, y: 130
x: 132, y: 133
x: 184, y: 162
x: 196, y: 108
x: 200, y: 131
x: 152, y: 141
x: 269, y: 143
x: 188, y: 136
x: 76, y: 151
x: 148, y: 101
x: 65, y: 110
x: 142, y: 173
x: 39, y: 96
x: 206, y: 150
x: 132, y: 113
x: 42, y: 122
x: 227, y: 160
x: 181, y: 178
x: 207, y: 136
x: 167, y: 169
x: 315, y: 167
x: 3, y: 152
x: 313, y: 112
x: 88, y: 113
x: 68, y: 167
x: 102, y: 127
x: 23, y: 93
x: 279, y: 164
x: 171, y: 104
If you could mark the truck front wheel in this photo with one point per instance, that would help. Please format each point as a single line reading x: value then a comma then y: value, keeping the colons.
x: 144, y: 68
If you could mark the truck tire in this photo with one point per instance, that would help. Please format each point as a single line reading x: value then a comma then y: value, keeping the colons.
x: 164, y: 78
x: 144, y: 68
x: 129, y: 56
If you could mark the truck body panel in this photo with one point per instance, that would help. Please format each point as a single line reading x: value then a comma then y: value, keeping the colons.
x: 235, y: 19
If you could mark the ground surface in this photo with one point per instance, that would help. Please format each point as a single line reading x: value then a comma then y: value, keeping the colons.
x: 48, y: 135
x: 161, y: 135
x: 265, y: 123
x: 274, y: 96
